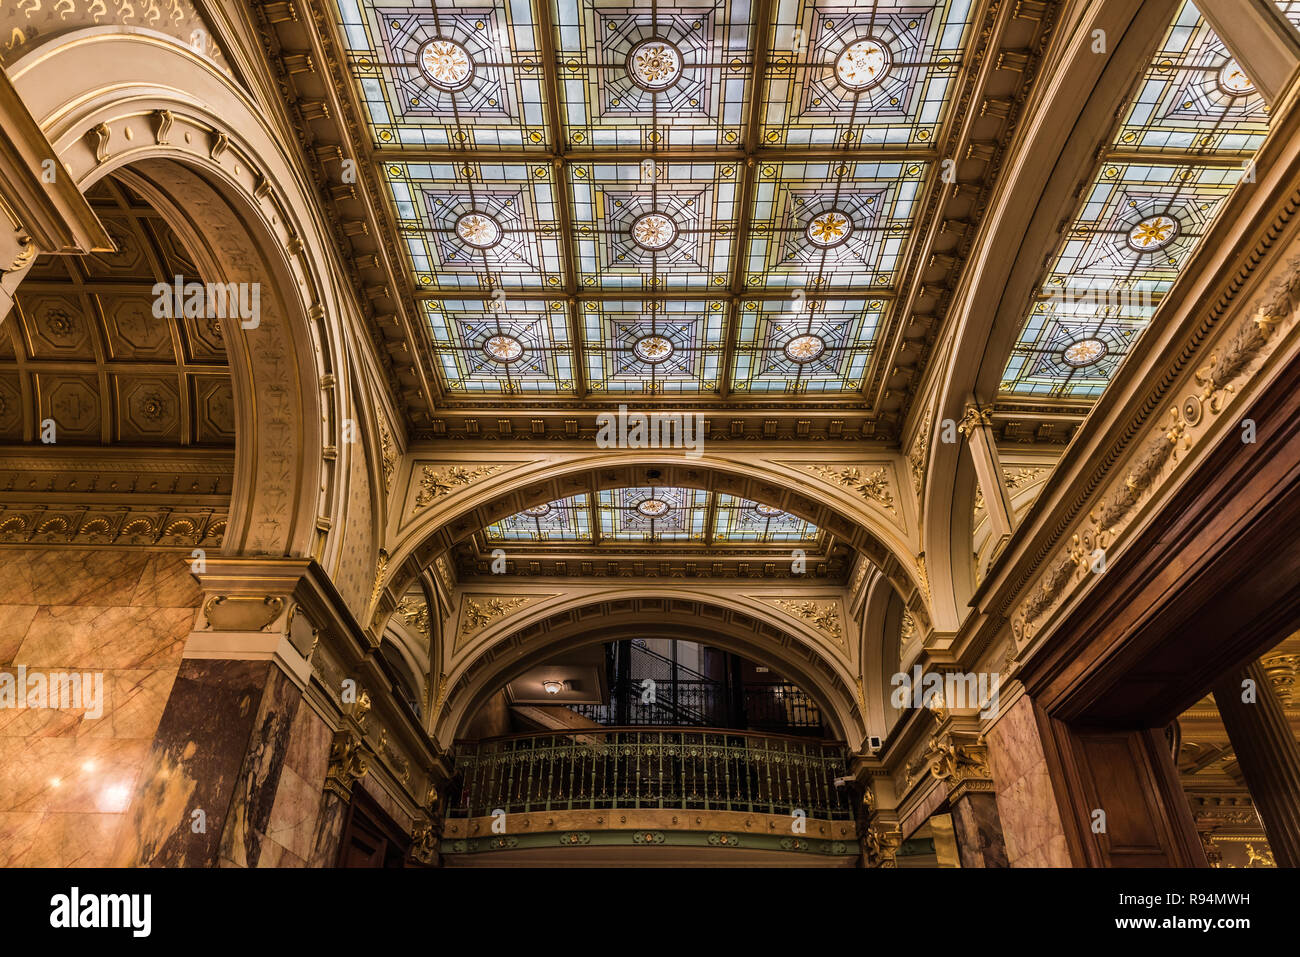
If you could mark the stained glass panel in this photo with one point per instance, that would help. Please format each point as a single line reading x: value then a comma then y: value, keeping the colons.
x: 656, y: 347
x: 661, y: 75
x: 506, y: 346
x: 566, y: 520
x: 826, y: 225
x: 1143, y: 216
x: 658, y: 514
x: 654, y: 227
x: 458, y: 73
x: 867, y: 75
x: 740, y: 520
x: 802, y: 345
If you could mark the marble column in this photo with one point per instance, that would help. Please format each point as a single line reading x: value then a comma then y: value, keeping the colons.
x: 978, y: 828
x: 205, y: 795
x: 1268, y: 755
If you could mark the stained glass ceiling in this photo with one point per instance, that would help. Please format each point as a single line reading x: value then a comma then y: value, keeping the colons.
x: 685, y: 198
x: 1183, y: 142
x: 664, y: 515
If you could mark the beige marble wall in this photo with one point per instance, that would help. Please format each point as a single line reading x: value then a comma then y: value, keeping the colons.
x: 291, y: 830
x: 1031, y: 823
x: 66, y: 778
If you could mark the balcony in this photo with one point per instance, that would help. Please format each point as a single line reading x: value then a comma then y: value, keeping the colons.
x: 684, y: 791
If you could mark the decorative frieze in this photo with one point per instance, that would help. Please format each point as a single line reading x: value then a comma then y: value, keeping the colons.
x: 1181, y: 426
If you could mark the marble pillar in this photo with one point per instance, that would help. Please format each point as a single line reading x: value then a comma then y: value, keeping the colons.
x: 978, y: 829
x: 1026, y: 799
x: 208, y: 787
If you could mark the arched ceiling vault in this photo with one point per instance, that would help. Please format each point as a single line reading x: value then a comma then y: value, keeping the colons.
x: 518, y: 644
x: 865, y: 527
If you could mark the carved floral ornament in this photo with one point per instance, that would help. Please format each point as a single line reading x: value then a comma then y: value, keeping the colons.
x: 1184, y: 423
x: 436, y: 483
x: 480, y: 611
x: 825, y: 617
x: 952, y: 761
x: 873, y: 486
x: 415, y: 613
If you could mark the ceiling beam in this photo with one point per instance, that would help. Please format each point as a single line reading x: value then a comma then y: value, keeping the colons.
x: 753, y: 123
x: 564, y: 197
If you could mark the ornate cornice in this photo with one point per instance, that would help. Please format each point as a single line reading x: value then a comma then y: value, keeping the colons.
x: 1242, y: 347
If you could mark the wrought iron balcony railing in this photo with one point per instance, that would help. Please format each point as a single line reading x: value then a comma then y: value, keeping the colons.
x: 777, y: 707
x: 677, y: 768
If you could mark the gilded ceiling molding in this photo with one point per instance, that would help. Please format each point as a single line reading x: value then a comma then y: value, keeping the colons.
x: 127, y: 525
x: 381, y: 564
x: 389, y: 453
x: 873, y: 487
x: 443, y: 571
x: 825, y: 617
x: 438, y: 482
x: 974, y: 417
x: 1184, y: 424
x: 919, y: 454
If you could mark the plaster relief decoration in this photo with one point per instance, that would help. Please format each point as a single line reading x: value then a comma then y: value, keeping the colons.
x: 824, y: 616
x: 919, y: 454
x: 477, y: 612
x: 1178, y: 429
x: 415, y: 613
x: 389, y: 452
x: 907, y: 629
x: 436, y: 483
x: 873, y: 486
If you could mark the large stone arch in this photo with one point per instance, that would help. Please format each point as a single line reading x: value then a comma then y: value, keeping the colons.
x: 523, y: 484
x: 517, y: 643
x: 1052, y: 162
x: 143, y: 106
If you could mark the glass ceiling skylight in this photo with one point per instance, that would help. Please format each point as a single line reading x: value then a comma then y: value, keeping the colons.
x: 673, y: 515
x: 1183, y: 142
x: 651, y: 224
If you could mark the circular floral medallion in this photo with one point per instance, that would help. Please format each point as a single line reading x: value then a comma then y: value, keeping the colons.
x: 1233, y: 79
x: 655, y: 64
x: 502, y: 348
x: 829, y: 228
x: 478, y: 230
x: 537, y: 511
x: 654, y: 231
x: 806, y: 348
x: 767, y: 511
x: 447, y: 64
x: 863, y: 63
x: 1084, y: 352
x: 1152, y: 233
x: 653, y: 349
x: 653, y: 507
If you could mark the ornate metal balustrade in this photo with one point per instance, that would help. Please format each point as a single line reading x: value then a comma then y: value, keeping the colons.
x: 678, y: 768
